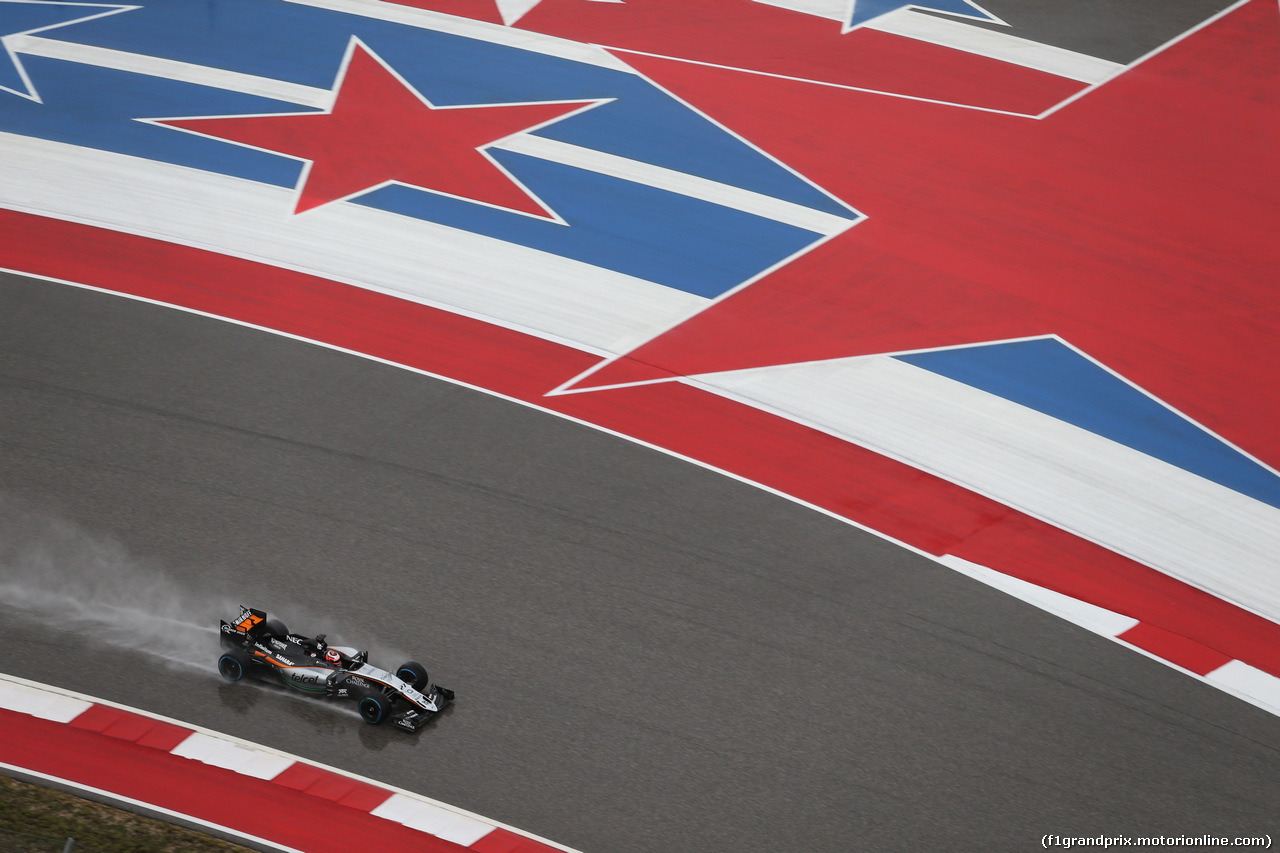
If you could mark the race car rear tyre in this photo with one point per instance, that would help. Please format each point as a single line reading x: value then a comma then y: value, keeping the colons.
x: 233, y: 665
x: 373, y: 709
x: 275, y: 628
x: 414, y: 673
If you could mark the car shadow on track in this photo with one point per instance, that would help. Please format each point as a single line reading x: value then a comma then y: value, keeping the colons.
x: 320, y: 718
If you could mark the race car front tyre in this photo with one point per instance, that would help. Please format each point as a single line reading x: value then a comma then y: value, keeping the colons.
x: 233, y: 665
x: 414, y: 673
x: 373, y: 709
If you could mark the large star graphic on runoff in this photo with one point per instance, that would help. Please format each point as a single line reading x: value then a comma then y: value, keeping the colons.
x: 1138, y: 223
x: 380, y: 130
x: 19, y: 17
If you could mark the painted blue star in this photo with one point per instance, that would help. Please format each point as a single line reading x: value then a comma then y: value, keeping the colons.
x: 25, y: 17
x: 863, y: 11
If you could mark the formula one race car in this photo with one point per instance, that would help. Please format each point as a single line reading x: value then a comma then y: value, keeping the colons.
x: 256, y: 645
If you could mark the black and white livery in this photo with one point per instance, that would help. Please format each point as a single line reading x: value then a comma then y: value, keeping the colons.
x: 256, y: 645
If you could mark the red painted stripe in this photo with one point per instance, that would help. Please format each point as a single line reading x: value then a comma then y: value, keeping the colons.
x: 164, y: 736
x: 96, y: 718
x: 1175, y: 648
x: 242, y: 803
x: 899, y: 501
x: 364, y: 797
x: 319, y: 782
x: 127, y: 725
x: 345, y: 790
x: 131, y: 727
x: 299, y: 776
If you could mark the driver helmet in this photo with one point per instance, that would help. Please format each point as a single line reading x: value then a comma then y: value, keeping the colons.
x: 333, y: 656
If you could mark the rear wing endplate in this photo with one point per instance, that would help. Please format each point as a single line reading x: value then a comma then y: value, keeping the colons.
x: 248, y: 620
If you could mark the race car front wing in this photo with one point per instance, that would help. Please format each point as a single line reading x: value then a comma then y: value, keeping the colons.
x: 438, y: 698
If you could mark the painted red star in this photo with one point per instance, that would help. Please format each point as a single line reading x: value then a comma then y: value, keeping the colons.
x: 380, y: 130
x: 1138, y: 223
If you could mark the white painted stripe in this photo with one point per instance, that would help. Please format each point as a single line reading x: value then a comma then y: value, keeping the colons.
x: 535, y: 292
x: 468, y: 28
x: 439, y: 821
x: 146, y: 808
x: 1249, y: 683
x: 135, y: 63
x: 1193, y: 529
x: 241, y: 758
x: 1089, y: 616
x: 40, y: 703
x: 678, y: 182
x: 996, y: 45
x: 513, y: 10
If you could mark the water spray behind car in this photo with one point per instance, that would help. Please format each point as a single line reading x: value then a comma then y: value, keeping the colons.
x: 68, y: 579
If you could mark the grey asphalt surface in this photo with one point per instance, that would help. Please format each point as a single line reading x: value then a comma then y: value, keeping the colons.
x: 648, y: 656
x: 1118, y: 30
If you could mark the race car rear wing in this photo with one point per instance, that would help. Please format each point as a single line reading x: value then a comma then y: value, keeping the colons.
x: 248, y: 622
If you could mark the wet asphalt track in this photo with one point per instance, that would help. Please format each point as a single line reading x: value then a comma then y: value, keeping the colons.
x: 648, y: 656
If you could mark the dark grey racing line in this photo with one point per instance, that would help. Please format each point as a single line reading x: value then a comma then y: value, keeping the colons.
x: 648, y: 656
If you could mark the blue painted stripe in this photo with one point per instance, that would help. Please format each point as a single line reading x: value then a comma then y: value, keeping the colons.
x: 96, y: 107
x: 671, y: 239
x: 868, y: 10
x: 1052, y: 378
x: 283, y: 41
